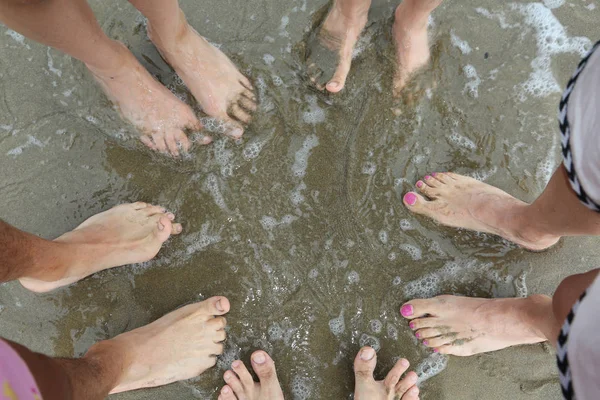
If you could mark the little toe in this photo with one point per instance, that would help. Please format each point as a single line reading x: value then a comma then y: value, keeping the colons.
x: 364, y: 364
x: 219, y: 336
x: 419, y: 308
x: 411, y: 394
x: 246, y: 83
x: 264, y: 367
x: 227, y: 393
x: 235, y: 384
x: 172, y: 143
x: 393, y: 377
x: 243, y: 373
x: 239, y: 114
x: 182, y: 142
x: 406, y: 384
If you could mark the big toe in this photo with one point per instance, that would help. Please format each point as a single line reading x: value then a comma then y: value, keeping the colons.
x: 364, y: 364
x: 338, y: 81
x: 264, y: 367
x: 416, y: 203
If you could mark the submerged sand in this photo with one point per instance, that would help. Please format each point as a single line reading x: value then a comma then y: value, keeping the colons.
x: 300, y: 225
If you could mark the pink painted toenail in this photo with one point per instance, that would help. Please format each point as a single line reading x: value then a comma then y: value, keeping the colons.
x: 433, y: 173
x: 426, y: 342
x: 406, y: 310
x: 419, y: 184
x: 435, y: 350
x: 410, y: 198
x: 418, y: 335
x: 259, y: 358
x: 427, y: 177
x: 412, y: 325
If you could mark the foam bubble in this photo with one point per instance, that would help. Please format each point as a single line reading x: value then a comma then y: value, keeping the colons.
x: 405, y: 225
x: 301, y: 156
x: 268, y: 59
x: 16, y: 36
x: 413, y: 251
x: 315, y: 114
x: 392, y: 332
x: 462, y: 141
x: 553, y: 3
x: 296, y: 197
x: 472, y: 87
x: 212, y: 185
x: 383, y: 237
x: 337, y: 325
x: 375, y: 325
x: 200, y: 240
x: 313, y: 273
x: 252, y: 150
x: 520, y: 285
x: 397, y: 281
x: 353, y: 277
x: 368, y: 340
x: 462, y: 45
x: 369, y: 168
x: 301, y: 388
x: 431, y: 366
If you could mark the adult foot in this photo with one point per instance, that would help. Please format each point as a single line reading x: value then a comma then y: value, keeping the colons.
x: 160, y: 116
x: 464, y: 326
x: 463, y: 202
x: 411, y: 39
x: 241, y: 386
x: 220, y: 89
x: 125, y: 234
x: 391, y: 388
x: 181, y: 345
x: 331, y: 50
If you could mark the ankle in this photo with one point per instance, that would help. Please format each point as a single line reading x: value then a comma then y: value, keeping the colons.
x: 411, y: 17
x: 524, y: 226
x: 109, y: 360
x: 352, y: 10
x: 114, y: 63
x: 167, y: 36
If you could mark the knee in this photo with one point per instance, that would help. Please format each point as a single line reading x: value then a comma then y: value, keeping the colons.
x: 569, y: 291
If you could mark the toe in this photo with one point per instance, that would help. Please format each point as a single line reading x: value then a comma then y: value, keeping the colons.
x: 138, y: 205
x: 227, y: 393
x: 264, y: 367
x: 172, y: 143
x: 217, y: 323
x: 148, y: 142
x: 406, y: 384
x: 160, y: 144
x: 246, y: 83
x: 176, y: 229
x: 164, y: 227
x: 447, y: 349
x: 233, y: 129
x: 442, y: 177
x: 427, y: 333
x: 419, y: 308
x: 337, y: 82
x: 239, y: 114
x: 431, y: 181
x: 219, y: 336
x: 247, y: 104
x: 420, y: 323
x: 217, y: 305
x: 250, y: 95
x: 438, y: 341
x: 182, y: 141
x: 235, y: 384
x: 243, y: 374
x: 393, y: 377
x: 153, y: 210
x: 364, y: 364
x: 428, y: 190
x: 411, y: 394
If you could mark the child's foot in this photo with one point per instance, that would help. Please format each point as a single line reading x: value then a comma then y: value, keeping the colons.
x: 464, y: 326
x: 331, y: 49
x: 125, y: 234
x: 181, y: 345
x: 241, y: 386
x: 151, y: 107
x: 391, y: 388
x: 463, y: 202
x: 411, y: 40
x: 220, y: 89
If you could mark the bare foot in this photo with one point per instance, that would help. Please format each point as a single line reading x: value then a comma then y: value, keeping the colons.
x: 331, y: 49
x: 464, y: 326
x: 391, y: 388
x: 181, y: 345
x: 411, y: 39
x: 241, y: 386
x: 125, y: 234
x: 220, y: 89
x: 463, y: 202
x: 152, y: 108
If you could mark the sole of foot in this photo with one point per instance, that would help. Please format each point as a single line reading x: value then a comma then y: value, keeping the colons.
x: 218, y: 86
x: 161, y: 117
x: 464, y: 326
x: 241, y: 386
x: 125, y: 234
x: 180, y: 345
x: 391, y: 388
x: 462, y: 202
x: 330, y: 50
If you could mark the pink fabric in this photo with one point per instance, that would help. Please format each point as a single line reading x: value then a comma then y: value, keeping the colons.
x: 16, y: 382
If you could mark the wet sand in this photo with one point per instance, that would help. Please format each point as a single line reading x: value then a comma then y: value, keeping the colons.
x: 301, y: 224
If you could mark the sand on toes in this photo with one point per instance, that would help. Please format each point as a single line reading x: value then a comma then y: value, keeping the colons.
x: 463, y: 202
x: 220, y: 89
x: 241, y: 386
x: 464, y: 326
x: 393, y: 387
x: 180, y: 345
x: 125, y: 234
x: 161, y: 118
x: 330, y: 50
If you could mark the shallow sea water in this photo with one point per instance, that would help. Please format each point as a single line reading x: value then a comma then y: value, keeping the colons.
x: 300, y: 224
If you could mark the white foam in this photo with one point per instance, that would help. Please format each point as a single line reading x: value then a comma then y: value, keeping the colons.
x: 268, y: 59
x: 553, y: 3
x: 375, y: 325
x: 275, y: 332
x: 406, y: 225
x: 296, y: 197
x: 353, y: 277
x: 51, y: 68
x: 368, y: 340
x: 397, y: 281
x: 313, y: 273
x: 212, y: 185
x: 431, y: 366
x: 369, y: 168
x: 315, y: 114
x: 392, y: 332
x: 253, y: 149
x: 285, y: 20
x: 383, y: 237
x: 301, y: 156
x: 591, y: 6
x: 31, y: 141
x: 17, y: 37
x: 337, y: 325
x: 268, y: 222
x: 413, y: 251
x: 462, y: 141
x: 471, y: 87
x: 201, y: 240
x: 462, y: 45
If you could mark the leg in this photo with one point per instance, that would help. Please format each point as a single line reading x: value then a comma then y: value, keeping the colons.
x: 241, y: 386
x: 465, y: 326
x: 221, y: 90
x: 331, y: 50
x: 391, y: 388
x: 70, y: 26
x: 125, y: 234
x: 410, y: 37
x: 463, y: 202
x: 180, y: 345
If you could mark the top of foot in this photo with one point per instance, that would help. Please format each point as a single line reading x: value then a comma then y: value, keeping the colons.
x: 331, y: 49
x: 125, y: 234
x: 464, y: 326
x: 391, y: 388
x: 241, y: 386
x: 160, y: 116
x: 220, y: 89
x: 463, y: 202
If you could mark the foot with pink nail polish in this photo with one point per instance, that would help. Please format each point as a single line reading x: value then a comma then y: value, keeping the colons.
x: 391, y: 388
x: 464, y: 326
x: 125, y: 234
x: 463, y: 202
x: 241, y: 386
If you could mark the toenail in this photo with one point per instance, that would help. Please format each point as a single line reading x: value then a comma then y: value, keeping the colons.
x: 259, y: 358
x: 419, y: 184
x: 226, y: 389
x: 433, y: 173
x: 404, y: 362
x: 412, y: 325
x: 427, y: 177
x: 227, y: 376
x: 367, y: 354
x: 418, y: 335
x: 426, y: 342
x: 435, y: 350
x: 171, y: 216
x: 219, y: 306
x: 236, y: 364
x: 410, y: 198
x: 333, y: 84
x: 406, y: 310
x: 237, y: 132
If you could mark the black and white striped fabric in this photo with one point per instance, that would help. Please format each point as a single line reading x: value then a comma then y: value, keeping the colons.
x: 565, y: 130
x: 562, y: 357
